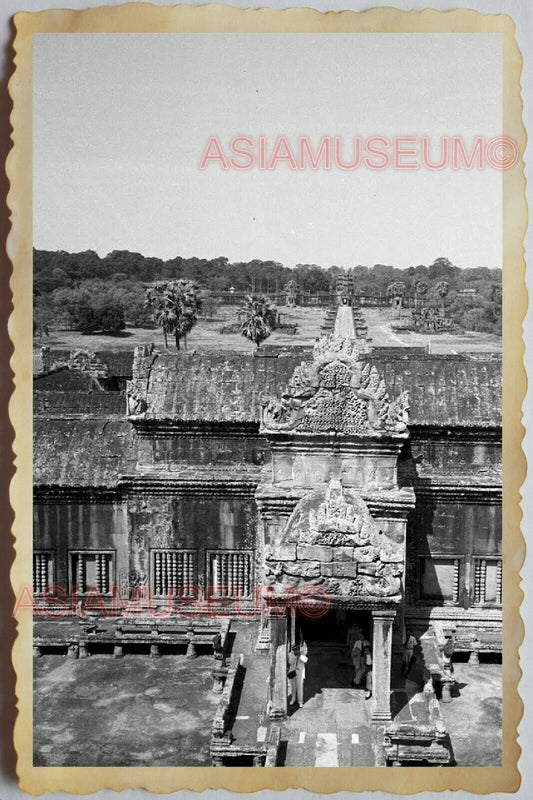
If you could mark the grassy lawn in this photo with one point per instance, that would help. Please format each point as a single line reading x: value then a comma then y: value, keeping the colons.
x: 206, y: 335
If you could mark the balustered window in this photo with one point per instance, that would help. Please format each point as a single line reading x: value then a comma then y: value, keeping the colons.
x: 174, y: 572
x: 230, y: 573
x: 488, y: 581
x: 43, y: 571
x: 92, y: 570
x: 439, y: 579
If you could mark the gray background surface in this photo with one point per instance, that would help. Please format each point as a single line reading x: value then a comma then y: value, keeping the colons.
x: 522, y: 13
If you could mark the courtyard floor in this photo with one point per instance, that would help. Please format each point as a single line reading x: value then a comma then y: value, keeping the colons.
x: 133, y: 711
x: 333, y: 726
x: 138, y: 710
x: 474, y: 717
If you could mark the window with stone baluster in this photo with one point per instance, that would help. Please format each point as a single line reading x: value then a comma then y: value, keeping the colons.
x: 439, y: 579
x: 230, y: 573
x: 174, y: 572
x: 92, y: 570
x: 487, y: 581
x: 43, y: 571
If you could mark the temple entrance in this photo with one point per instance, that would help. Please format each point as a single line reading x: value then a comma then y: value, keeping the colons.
x: 331, y: 628
x: 333, y: 726
x: 326, y: 640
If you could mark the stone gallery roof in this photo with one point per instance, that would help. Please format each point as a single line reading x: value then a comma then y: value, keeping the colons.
x: 216, y: 387
x: 82, y: 452
x: 64, y: 380
x: 85, y: 439
x: 50, y: 404
x: 444, y: 390
x: 118, y: 364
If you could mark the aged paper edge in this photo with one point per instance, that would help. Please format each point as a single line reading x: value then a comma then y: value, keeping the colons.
x: 147, y: 18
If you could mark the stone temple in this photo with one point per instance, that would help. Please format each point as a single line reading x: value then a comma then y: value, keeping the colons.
x: 296, y: 491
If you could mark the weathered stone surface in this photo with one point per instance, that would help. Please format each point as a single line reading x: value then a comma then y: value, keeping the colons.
x: 316, y: 553
x: 340, y: 569
x: 367, y: 569
x: 285, y: 552
x: 365, y: 555
x: 82, y: 452
x: 343, y: 553
x: 391, y: 555
x: 302, y: 569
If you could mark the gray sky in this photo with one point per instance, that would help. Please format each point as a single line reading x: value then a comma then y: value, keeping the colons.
x: 121, y: 122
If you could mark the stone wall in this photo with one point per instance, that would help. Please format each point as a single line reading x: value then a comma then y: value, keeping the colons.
x: 186, y: 450
x: 199, y: 523
x: 64, y: 527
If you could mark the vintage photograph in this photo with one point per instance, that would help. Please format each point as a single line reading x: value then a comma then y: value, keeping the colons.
x: 267, y: 399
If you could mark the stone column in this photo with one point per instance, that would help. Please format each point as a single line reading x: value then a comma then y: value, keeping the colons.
x: 381, y: 668
x: 278, y: 664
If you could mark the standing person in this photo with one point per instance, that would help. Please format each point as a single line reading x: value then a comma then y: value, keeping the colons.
x: 300, y: 674
x: 291, y: 672
x: 358, y: 657
x: 296, y: 674
x: 409, y: 657
x: 367, y: 658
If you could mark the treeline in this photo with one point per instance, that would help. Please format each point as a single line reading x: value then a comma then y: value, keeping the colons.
x: 65, y: 282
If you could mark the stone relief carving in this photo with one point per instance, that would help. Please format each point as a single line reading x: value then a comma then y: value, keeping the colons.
x: 136, y: 404
x: 332, y: 540
x: 131, y: 580
x: 335, y: 515
x: 336, y: 392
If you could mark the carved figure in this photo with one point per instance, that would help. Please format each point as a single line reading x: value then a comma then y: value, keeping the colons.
x: 136, y: 403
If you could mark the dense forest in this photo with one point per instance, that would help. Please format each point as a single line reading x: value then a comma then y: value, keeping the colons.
x: 85, y: 291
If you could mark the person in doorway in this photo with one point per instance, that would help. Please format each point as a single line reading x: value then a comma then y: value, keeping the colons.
x: 296, y: 674
x: 358, y: 657
x: 367, y: 658
x: 409, y: 658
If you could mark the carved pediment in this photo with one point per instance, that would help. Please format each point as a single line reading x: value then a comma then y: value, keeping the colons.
x: 332, y: 538
x: 337, y: 391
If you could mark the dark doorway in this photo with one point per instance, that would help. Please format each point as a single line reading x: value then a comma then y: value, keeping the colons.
x: 330, y: 628
x: 330, y: 664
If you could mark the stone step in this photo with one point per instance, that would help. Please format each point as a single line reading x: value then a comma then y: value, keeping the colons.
x: 329, y: 749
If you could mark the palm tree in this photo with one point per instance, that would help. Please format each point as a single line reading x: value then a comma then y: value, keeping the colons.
x: 421, y: 288
x: 442, y: 288
x: 259, y: 318
x: 175, y: 307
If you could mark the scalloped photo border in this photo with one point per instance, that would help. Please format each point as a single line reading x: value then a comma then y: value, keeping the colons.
x: 147, y: 18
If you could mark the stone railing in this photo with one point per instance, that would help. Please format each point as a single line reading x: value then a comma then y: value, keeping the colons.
x: 419, y: 742
x: 78, y: 642
x: 271, y: 758
x: 223, y: 720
